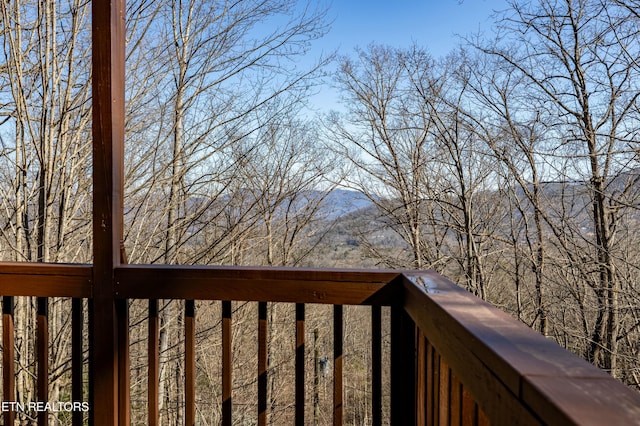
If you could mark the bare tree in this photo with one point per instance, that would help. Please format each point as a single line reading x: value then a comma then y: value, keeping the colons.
x: 468, y: 173
x: 287, y: 179
x: 583, y: 83
x: 211, y: 75
x: 386, y: 136
x: 416, y: 153
x: 44, y: 128
x: 513, y: 133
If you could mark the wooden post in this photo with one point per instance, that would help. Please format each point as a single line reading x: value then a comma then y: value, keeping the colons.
x: 403, y: 367
x: 108, y: 56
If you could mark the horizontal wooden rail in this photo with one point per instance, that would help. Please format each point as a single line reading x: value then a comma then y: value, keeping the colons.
x: 295, y: 285
x: 45, y: 280
x: 516, y: 375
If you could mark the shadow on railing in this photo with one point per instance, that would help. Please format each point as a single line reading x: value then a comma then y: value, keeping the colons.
x: 454, y: 358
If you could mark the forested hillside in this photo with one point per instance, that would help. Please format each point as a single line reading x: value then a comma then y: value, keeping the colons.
x: 510, y: 165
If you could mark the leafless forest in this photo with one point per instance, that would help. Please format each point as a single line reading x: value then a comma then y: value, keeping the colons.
x: 511, y: 165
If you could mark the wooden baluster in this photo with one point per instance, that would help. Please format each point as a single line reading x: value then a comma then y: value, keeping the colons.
x: 421, y: 379
x: 226, y: 363
x: 91, y: 355
x: 455, y: 401
x: 403, y: 367
x: 77, y: 361
x: 444, y: 392
x: 190, y: 362
x: 262, y: 364
x: 376, y: 365
x: 337, y: 364
x: 299, y: 415
x: 436, y: 387
x: 124, y: 363
x: 483, y: 420
x: 154, y: 363
x: 42, y: 387
x: 431, y: 394
x: 469, y: 409
x: 8, y: 354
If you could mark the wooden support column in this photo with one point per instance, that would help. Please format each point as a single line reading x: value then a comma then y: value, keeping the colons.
x: 108, y: 53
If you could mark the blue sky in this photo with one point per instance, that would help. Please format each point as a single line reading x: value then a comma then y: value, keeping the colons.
x: 431, y: 24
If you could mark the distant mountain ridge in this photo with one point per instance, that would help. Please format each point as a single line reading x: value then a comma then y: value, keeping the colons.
x: 340, y: 202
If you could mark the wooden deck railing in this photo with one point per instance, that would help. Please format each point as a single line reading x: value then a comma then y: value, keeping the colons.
x: 43, y: 281
x: 454, y: 358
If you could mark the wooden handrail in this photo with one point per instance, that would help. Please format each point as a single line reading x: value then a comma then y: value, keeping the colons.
x: 516, y: 375
x: 294, y: 285
x: 45, y: 280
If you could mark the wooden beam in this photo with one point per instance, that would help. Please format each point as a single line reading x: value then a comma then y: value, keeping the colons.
x: 108, y: 61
